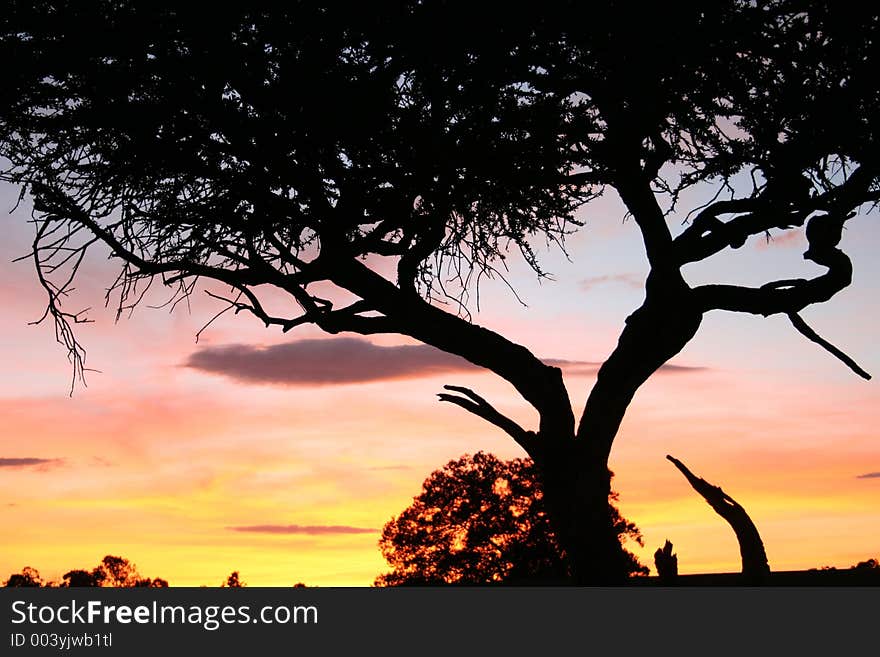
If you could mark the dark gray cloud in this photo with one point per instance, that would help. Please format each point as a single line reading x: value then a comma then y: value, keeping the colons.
x: 27, y: 462
x: 869, y: 475
x: 670, y: 368
x: 632, y: 281
x: 311, y: 362
x: 309, y: 530
x: 346, y: 360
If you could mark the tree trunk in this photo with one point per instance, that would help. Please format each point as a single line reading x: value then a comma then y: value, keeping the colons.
x: 577, y: 498
x: 577, y: 481
x: 755, y: 567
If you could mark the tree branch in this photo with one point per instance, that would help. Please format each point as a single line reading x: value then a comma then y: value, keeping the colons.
x: 257, y: 310
x: 473, y: 403
x: 804, y: 329
x: 707, y: 234
x: 790, y: 295
x: 635, y: 191
x: 539, y: 384
x: 754, y: 558
x: 55, y: 204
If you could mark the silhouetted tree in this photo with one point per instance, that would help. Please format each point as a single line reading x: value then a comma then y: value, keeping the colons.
x: 28, y: 577
x: 311, y: 147
x: 83, y: 578
x: 233, y: 581
x: 666, y: 563
x: 755, y: 567
x: 480, y: 520
x: 118, y: 572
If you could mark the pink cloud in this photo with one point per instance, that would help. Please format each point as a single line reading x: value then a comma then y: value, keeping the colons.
x: 632, y: 281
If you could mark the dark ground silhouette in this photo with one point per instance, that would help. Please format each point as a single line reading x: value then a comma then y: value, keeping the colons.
x: 111, y: 572
x: 865, y: 573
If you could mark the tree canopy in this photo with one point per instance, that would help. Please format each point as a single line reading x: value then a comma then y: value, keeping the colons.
x: 481, y: 520
x: 28, y: 577
x: 249, y: 150
x: 374, y: 163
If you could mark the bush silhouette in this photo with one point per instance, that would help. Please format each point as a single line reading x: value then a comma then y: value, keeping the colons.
x: 481, y: 520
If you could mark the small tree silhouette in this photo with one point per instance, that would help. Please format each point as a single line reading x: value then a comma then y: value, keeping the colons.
x: 117, y: 572
x: 233, y: 581
x: 27, y: 578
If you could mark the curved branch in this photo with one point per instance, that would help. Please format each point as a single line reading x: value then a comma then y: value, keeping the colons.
x: 473, y: 403
x: 541, y: 385
x: 788, y: 296
x: 754, y: 558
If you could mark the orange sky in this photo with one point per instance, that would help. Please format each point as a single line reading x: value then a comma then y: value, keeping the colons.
x: 159, y: 462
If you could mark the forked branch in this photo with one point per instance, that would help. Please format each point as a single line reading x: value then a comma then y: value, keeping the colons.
x: 472, y: 402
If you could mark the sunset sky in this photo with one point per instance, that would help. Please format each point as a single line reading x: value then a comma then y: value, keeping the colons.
x: 281, y: 457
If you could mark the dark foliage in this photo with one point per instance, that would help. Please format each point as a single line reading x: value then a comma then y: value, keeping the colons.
x: 480, y: 520
x: 76, y: 578
x: 112, y: 571
x: 233, y: 581
x: 28, y: 577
